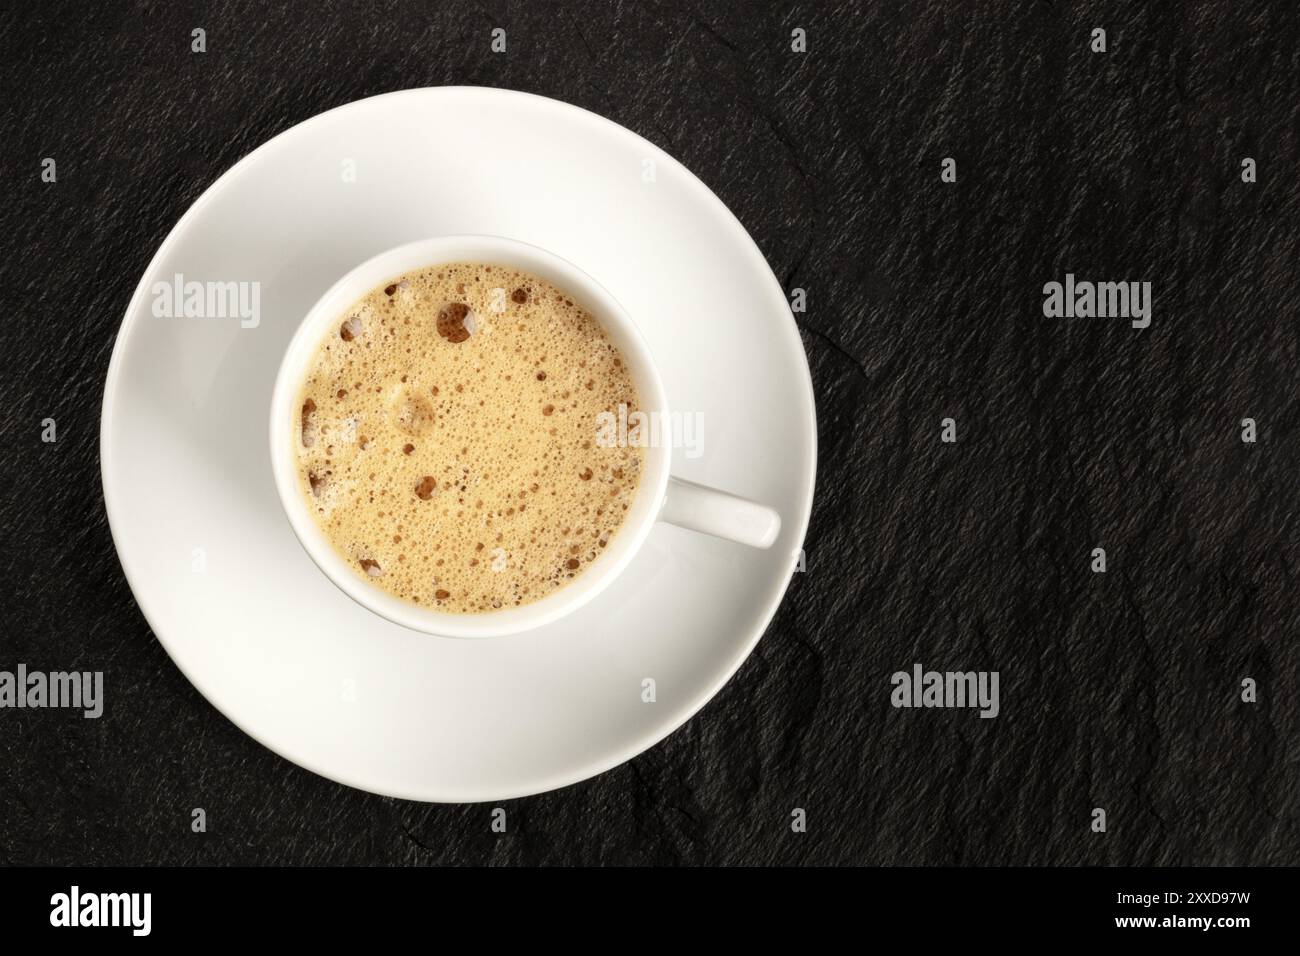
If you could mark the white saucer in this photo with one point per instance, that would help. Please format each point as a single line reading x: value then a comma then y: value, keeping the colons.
x: 243, y: 611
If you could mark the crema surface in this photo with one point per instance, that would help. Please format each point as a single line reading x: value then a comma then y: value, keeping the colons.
x: 448, y: 443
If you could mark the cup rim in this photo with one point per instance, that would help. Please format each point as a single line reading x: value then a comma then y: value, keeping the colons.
x: 588, y: 293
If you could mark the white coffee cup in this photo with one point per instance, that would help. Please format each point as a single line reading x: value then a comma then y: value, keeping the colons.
x: 659, y: 496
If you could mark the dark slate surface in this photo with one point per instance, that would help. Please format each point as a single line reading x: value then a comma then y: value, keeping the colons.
x: 1118, y: 690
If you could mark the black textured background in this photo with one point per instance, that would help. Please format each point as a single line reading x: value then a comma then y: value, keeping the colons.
x: 924, y: 301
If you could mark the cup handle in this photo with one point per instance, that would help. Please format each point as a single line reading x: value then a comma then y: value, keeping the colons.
x: 714, y: 512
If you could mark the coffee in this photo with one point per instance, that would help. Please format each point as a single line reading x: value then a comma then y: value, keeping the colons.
x: 448, y: 442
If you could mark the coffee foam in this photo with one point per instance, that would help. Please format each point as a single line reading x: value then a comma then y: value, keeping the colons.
x: 447, y: 442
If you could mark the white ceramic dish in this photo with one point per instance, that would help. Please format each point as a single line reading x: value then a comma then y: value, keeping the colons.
x: 659, y: 496
x: 227, y: 588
